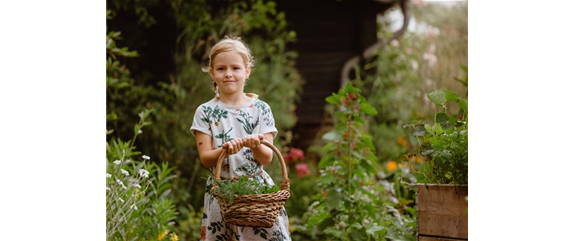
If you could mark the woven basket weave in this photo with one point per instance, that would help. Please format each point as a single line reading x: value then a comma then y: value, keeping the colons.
x: 259, y: 210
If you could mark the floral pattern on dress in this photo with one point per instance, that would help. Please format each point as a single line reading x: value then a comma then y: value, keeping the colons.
x: 226, y: 123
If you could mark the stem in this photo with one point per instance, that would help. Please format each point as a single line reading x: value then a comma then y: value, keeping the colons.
x: 349, y: 160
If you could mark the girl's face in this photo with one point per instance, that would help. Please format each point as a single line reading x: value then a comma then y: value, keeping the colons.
x: 229, y: 72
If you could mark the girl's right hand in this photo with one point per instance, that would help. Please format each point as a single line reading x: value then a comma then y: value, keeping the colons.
x: 233, y: 146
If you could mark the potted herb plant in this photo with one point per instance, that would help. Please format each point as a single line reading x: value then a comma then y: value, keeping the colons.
x: 442, y: 188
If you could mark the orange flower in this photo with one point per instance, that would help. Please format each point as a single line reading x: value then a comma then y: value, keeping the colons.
x: 419, y: 159
x: 402, y: 141
x: 392, y: 165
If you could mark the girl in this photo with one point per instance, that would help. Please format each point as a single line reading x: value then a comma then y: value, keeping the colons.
x: 237, y: 122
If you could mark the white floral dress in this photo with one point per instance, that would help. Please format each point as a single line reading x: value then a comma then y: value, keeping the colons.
x: 224, y: 123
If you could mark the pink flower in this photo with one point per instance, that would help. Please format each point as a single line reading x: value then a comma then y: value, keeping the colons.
x: 302, y: 169
x: 294, y: 154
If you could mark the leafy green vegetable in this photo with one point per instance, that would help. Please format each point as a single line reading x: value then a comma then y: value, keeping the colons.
x: 242, y: 186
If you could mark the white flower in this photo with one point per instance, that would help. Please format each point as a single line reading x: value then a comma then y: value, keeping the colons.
x: 133, y: 206
x: 140, y: 131
x: 366, y: 222
x: 125, y: 172
x: 108, y: 175
x: 121, y: 200
x: 137, y: 185
x: 143, y: 173
x: 121, y: 184
x: 414, y: 64
x: 117, y: 162
x: 342, y: 224
x: 107, y: 188
x: 145, y: 157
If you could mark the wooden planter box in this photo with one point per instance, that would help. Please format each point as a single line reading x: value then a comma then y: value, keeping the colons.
x: 442, y: 212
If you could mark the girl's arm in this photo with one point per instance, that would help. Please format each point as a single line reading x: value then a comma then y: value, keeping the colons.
x: 263, y: 154
x: 207, y: 155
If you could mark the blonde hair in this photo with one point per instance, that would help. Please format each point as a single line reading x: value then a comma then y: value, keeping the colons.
x: 228, y: 44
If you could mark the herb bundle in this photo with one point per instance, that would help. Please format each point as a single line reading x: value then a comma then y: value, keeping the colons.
x: 242, y: 186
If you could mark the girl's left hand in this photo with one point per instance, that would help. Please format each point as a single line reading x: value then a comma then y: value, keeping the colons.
x: 253, y: 141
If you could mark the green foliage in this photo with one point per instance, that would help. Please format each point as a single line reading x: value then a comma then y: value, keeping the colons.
x: 351, y: 206
x: 444, y: 142
x: 175, y: 96
x: 138, y: 206
x: 117, y: 75
x: 391, y: 85
x: 242, y: 186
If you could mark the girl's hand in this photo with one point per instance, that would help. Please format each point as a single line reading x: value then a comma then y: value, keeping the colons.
x: 253, y: 141
x: 233, y: 146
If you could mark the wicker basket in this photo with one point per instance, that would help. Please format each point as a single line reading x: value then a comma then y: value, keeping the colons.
x: 259, y: 210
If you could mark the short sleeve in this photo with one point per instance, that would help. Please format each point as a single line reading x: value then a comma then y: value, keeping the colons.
x: 200, y: 121
x: 268, y: 125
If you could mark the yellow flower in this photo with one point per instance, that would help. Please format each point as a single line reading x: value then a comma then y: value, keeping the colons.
x: 173, y: 237
x: 392, y: 165
x: 162, y: 235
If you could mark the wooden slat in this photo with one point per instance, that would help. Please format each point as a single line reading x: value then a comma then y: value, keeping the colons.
x: 425, y: 238
x: 442, y: 211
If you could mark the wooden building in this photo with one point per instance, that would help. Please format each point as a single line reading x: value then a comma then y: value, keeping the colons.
x: 330, y: 35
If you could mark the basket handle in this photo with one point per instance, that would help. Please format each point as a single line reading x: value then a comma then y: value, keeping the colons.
x: 284, y: 184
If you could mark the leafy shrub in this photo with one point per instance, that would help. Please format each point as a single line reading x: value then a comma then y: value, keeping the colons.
x: 445, y: 142
x: 346, y: 208
x: 137, y: 203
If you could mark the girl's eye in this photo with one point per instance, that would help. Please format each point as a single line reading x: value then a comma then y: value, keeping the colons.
x: 236, y: 68
x: 219, y: 68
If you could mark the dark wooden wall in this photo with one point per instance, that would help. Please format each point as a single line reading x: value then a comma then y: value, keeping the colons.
x: 329, y: 32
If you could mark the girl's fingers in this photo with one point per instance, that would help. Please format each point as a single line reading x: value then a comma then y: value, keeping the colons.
x: 250, y: 142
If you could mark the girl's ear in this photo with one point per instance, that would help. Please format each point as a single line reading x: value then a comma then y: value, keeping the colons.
x: 248, y: 71
x: 211, y: 73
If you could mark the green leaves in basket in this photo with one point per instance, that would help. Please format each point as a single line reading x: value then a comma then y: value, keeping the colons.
x: 242, y: 186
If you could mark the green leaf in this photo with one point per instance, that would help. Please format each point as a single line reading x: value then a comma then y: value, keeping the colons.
x: 419, y: 130
x: 463, y: 103
x: 350, y: 89
x: 367, y: 141
x: 370, y: 169
x: 445, y: 120
x: 438, y: 97
x: 427, y: 152
x: 373, y: 229
x: 333, y: 200
x: 450, y: 96
x: 333, y: 99
x: 368, y: 109
x: 330, y: 136
x: 325, y: 161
